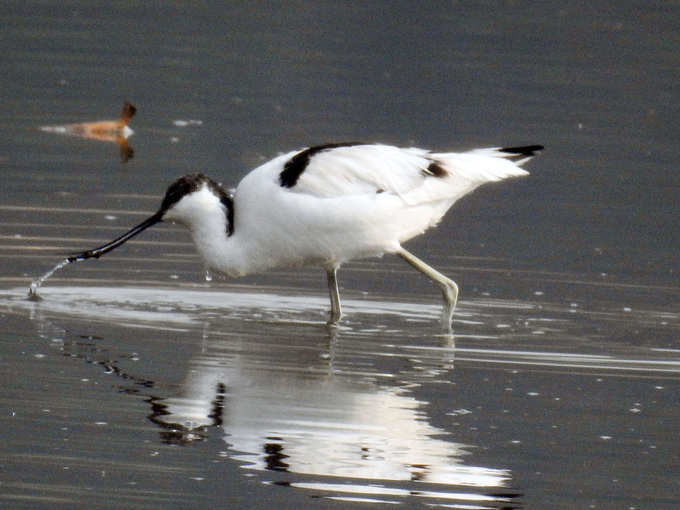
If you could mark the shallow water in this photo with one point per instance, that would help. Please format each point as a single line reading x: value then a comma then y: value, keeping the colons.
x: 254, y: 388
x: 136, y: 383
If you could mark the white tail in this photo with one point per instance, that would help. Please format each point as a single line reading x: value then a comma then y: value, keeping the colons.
x: 489, y: 164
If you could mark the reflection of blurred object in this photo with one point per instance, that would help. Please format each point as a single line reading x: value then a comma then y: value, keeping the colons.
x: 185, y: 123
x: 104, y: 130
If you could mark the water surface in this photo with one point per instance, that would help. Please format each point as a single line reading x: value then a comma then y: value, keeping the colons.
x: 135, y: 383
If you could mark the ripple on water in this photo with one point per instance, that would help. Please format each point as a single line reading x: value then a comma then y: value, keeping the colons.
x: 331, y: 413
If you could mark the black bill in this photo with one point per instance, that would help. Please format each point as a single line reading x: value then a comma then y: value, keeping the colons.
x: 101, y: 250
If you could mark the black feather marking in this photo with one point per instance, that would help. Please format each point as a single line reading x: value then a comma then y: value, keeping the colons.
x: 193, y: 182
x: 294, y: 167
x: 181, y: 187
x: 526, y: 151
x: 436, y: 169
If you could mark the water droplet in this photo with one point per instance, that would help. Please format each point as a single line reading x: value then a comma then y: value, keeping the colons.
x: 35, y: 285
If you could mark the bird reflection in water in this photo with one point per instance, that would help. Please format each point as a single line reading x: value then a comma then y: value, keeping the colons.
x: 318, y: 416
x: 301, y: 407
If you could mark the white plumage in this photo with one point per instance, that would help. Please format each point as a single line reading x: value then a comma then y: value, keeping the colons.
x: 326, y: 205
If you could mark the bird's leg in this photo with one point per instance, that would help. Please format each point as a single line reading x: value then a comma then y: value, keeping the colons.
x: 448, y: 287
x: 336, y: 309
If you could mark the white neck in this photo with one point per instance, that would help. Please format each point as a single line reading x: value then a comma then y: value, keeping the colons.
x: 218, y: 250
x: 206, y: 217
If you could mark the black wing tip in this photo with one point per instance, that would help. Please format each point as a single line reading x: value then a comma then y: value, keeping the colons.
x: 525, y: 150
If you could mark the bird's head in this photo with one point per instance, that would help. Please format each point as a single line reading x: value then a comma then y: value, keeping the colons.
x: 193, y: 198
x: 190, y: 200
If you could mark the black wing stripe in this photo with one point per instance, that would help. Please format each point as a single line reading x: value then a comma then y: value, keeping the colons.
x: 294, y: 167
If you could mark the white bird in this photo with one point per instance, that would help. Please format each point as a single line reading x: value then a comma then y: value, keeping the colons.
x: 326, y: 205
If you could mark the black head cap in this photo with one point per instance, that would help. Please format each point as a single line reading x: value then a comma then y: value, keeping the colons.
x: 191, y: 183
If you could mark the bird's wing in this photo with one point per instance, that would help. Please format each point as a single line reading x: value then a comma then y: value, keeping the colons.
x: 340, y: 170
x: 416, y: 175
